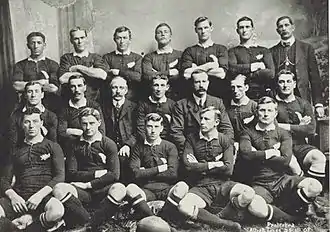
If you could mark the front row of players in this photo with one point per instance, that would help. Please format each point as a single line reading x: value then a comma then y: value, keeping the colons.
x: 40, y: 199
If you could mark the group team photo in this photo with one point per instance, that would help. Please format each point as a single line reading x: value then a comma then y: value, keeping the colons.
x: 177, y: 116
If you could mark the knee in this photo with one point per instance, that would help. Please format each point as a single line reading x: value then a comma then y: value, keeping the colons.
x: 180, y: 189
x: 242, y: 189
x: 187, y: 208
x: 316, y: 156
x: 60, y: 190
x: 54, y: 210
x: 117, y: 192
x: 2, y: 212
x: 258, y: 207
x: 311, y: 187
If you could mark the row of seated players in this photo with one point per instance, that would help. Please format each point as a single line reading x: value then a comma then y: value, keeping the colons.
x: 257, y: 63
x: 204, y: 147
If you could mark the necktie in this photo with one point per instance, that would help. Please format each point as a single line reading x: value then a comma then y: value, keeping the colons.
x: 201, y: 103
x: 286, y: 44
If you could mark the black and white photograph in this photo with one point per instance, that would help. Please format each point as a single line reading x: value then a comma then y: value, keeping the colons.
x: 164, y: 116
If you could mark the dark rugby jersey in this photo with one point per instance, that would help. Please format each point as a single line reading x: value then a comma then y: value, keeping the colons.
x: 34, y: 166
x: 85, y: 158
x: 217, y: 149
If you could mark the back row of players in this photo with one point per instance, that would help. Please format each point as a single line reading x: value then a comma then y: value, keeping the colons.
x: 271, y: 134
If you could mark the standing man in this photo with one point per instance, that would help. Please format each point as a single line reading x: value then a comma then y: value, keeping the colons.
x: 296, y: 116
x: 33, y: 94
x: 251, y: 60
x: 125, y: 63
x: 38, y: 165
x: 164, y: 61
x: 158, y: 103
x: 186, y: 112
x: 81, y: 61
x: 37, y: 67
x: 207, y: 56
x: 120, y: 122
x: 299, y: 58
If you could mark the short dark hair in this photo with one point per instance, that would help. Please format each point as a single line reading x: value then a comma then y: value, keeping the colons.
x: 77, y: 77
x: 77, y: 29
x: 153, y: 117
x: 31, y: 83
x: 202, y: 19
x: 160, y: 77
x: 244, y: 18
x: 35, y: 34
x: 163, y: 25
x: 32, y: 110
x: 282, y: 18
x: 122, y: 29
x: 197, y: 71
x: 217, y: 113
x: 286, y: 72
x: 90, y: 111
x: 266, y: 100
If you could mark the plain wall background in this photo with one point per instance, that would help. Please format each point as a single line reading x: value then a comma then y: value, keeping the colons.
x: 142, y: 17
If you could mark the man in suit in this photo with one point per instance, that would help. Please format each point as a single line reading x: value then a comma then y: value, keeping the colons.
x: 186, y: 112
x: 251, y: 60
x: 206, y: 55
x: 120, y: 121
x: 299, y: 58
x: 123, y: 62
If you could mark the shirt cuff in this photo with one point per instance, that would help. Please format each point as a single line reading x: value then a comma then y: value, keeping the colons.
x: 318, y: 105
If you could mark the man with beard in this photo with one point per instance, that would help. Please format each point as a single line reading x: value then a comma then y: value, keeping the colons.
x: 207, y: 56
x: 125, y: 63
x: 120, y: 122
x: 299, y: 58
x: 186, y: 112
x: 157, y: 102
x: 296, y: 116
x: 164, y: 61
x: 82, y: 62
x: 251, y: 60
x: 34, y: 95
x: 37, y: 68
x: 69, y: 125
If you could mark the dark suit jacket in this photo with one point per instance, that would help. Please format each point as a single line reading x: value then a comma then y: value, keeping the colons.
x: 186, y: 119
x: 127, y: 122
x: 308, y: 77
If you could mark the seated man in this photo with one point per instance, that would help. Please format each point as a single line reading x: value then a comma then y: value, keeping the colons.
x: 157, y: 102
x: 296, y: 115
x: 251, y: 60
x: 164, y: 61
x: 271, y: 159
x: 82, y: 62
x: 120, y: 121
x: 208, y: 159
x: 125, y: 63
x: 92, y: 164
x: 37, y: 68
x: 154, y: 164
x: 186, y: 112
x: 69, y: 125
x: 207, y: 56
x: 34, y: 94
x: 38, y: 165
